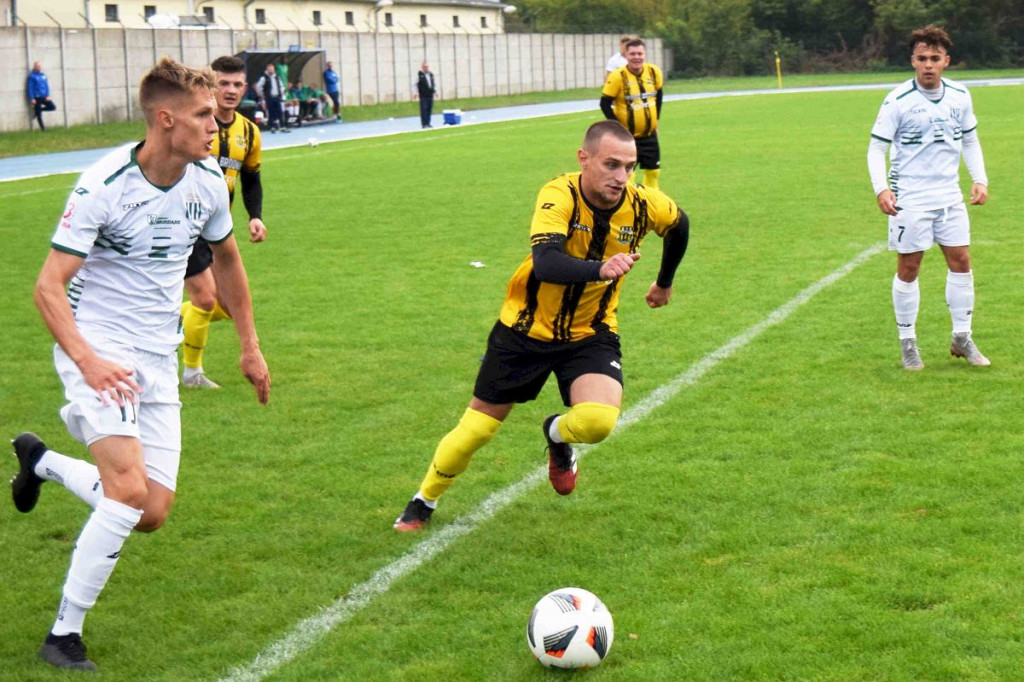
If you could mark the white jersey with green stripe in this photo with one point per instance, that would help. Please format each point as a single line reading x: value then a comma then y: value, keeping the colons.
x: 135, y: 238
x: 927, y: 140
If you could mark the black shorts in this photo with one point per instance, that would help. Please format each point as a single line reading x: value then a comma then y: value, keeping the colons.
x: 648, y: 152
x: 200, y: 259
x: 515, y: 367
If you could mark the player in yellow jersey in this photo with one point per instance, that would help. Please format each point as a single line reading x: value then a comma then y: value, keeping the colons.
x: 237, y: 150
x: 632, y: 95
x: 559, y: 314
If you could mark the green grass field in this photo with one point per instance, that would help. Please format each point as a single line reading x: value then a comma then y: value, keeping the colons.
x: 803, y: 510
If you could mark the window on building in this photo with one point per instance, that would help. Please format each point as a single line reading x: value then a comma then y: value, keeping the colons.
x: 317, y: 21
x: 388, y: 19
x: 455, y: 21
x: 261, y: 16
x: 149, y: 10
x: 111, y: 12
x: 208, y: 13
x: 350, y: 19
x: 423, y: 20
x: 483, y: 22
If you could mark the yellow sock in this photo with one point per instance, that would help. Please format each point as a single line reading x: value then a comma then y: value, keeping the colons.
x: 196, y: 325
x: 651, y: 178
x: 587, y: 422
x: 453, y: 453
x: 219, y: 313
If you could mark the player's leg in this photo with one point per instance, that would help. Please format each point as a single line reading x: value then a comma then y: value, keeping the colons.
x: 648, y: 153
x: 953, y: 235
x: 196, y: 315
x: 910, y: 235
x: 508, y: 374
x: 590, y: 381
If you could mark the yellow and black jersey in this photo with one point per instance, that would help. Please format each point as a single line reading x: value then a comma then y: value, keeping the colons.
x: 570, y: 312
x: 635, y: 98
x: 236, y: 148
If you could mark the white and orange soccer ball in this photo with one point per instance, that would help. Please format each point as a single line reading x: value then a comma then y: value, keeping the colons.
x: 570, y: 628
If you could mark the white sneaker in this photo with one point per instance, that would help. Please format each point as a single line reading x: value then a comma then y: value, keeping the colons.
x: 911, y: 356
x: 963, y: 347
x: 198, y: 380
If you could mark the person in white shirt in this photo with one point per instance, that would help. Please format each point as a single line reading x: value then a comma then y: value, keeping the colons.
x: 110, y: 292
x: 618, y: 60
x: 927, y: 124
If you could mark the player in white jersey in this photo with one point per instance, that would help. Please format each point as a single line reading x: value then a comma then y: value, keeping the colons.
x: 929, y: 123
x: 110, y: 292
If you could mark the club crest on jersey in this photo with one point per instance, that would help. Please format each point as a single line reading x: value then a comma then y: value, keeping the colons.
x: 193, y: 210
x: 626, y: 234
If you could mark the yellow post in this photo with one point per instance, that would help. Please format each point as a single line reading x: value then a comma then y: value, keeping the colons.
x: 778, y: 68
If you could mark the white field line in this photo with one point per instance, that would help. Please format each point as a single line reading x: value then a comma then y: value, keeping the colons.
x: 309, y: 631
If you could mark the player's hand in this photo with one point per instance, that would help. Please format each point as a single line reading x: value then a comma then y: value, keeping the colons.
x: 657, y: 297
x: 257, y: 230
x: 110, y: 380
x: 255, y: 369
x: 887, y: 202
x: 979, y: 194
x: 618, y: 265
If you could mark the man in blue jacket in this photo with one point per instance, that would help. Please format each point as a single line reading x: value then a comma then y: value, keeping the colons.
x: 39, y: 93
x: 331, y: 80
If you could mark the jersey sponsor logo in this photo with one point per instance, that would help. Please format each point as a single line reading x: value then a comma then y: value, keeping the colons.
x: 155, y: 219
x: 228, y: 163
x: 580, y: 227
x: 133, y: 205
x: 918, y: 111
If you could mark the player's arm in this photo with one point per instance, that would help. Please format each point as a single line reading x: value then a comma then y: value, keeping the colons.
x: 606, y: 107
x: 252, y: 197
x: 975, y: 162
x: 876, y: 170
x: 658, y: 99
x: 233, y: 290
x: 109, y: 379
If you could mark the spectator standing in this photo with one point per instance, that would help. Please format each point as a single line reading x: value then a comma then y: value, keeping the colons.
x: 39, y: 93
x: 270, y: 88
x: 426, y: 88
x: 617, y: 60
x: 331, y: 80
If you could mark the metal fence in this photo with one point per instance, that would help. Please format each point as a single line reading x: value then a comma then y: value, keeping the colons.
x: 94, y: 73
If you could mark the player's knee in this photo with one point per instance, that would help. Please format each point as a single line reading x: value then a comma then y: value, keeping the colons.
x: 154, y: 517
x: 204, y: 299
x: 592, y: 422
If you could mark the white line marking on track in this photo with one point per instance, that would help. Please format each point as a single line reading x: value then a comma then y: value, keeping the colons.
x: 309, y: 631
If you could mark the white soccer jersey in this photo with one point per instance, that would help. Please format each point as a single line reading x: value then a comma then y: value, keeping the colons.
x: 615, y: 62
x: 926, y: 139
x: 135, y: 238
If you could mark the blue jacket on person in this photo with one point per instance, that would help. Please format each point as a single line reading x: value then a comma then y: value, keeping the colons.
x: 331, y: 81
x: 38, y: 87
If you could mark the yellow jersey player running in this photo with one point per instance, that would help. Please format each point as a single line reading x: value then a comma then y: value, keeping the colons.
x: 236, y: 148
x: 632, y: 95
x: 559, y: 314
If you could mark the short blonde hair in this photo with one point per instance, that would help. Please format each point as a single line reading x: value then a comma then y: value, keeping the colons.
x: 168, y: 79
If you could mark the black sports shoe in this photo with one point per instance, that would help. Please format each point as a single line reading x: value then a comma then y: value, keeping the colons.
x: 25, y: 484
x: 561, y: 462
x: 66, y: 651
x: 415, y: 516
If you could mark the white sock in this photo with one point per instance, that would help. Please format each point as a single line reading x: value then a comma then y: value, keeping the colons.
x: 77, y: 475
x: 430, y: 503
x: 96, y: 552
x: 960, y: 299
x: 553, y: 431
x: 190, y: 372
x: 906, y: 299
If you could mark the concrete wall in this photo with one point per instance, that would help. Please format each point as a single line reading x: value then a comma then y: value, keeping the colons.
x: 374, y: 67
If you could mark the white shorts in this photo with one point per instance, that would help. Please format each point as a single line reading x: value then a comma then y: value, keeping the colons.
x: 155, y: 417
x: 912, y: 231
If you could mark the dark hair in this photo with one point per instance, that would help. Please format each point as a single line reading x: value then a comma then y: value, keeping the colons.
x: 228, y: 64
x: 597, y: 132
x: 932, y: 36
x: 169, y: 78
x: 636, y: 42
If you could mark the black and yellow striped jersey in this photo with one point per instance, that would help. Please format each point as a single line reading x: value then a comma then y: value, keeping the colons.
x: 635, y: 98
x: 237, y: 147
x: 570, y: 312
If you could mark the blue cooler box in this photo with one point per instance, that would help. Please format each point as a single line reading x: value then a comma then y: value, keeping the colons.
x: 452, y: 117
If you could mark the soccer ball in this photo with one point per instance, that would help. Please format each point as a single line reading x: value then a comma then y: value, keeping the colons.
x: 313, y: 142
x: 570, y: 628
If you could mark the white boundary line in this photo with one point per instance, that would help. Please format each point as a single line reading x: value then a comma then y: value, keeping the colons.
x: 309, y: 631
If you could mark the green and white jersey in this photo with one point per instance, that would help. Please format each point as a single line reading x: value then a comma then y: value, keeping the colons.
x: 136, y: 238
x: 927, y: 140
